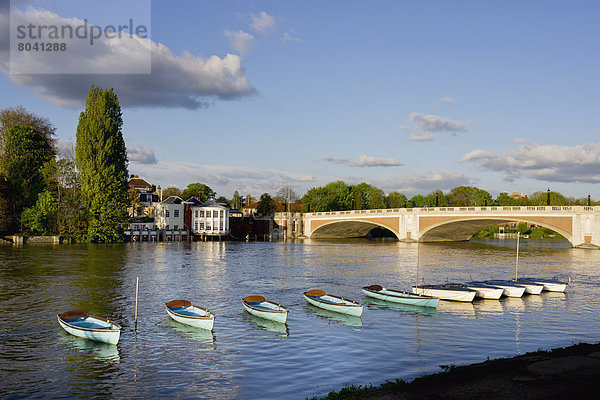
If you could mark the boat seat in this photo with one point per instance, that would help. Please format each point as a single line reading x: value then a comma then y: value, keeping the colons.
x: 178, y: 303
x: 256, y: 304
x: 375, y: 287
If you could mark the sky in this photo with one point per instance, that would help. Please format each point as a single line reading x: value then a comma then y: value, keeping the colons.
x: 409, y: 96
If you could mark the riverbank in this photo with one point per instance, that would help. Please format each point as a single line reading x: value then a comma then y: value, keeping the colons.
x: 566, y: 373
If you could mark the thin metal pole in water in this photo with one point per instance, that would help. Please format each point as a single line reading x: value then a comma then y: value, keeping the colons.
x: 517, y: 263
x: 137, y: 286
x: 417, y: 285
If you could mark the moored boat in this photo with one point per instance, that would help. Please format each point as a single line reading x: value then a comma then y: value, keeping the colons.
x: 446, y: 292
x: 550, y: 285
x: 483, y: 291
x: 79, y: 323
x: 183, y: 311
x: 330, y: 302
x: 260, y: 307
x: 530, y: 287
x: 510, y: 289
x: 398, y: 296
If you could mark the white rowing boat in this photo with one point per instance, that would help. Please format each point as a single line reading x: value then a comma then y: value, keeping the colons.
x: 330, y: 302
x: 510, y: 289
x: 260, y: 307
x: 483, y: 291
x: 398, y: 296
x: 446, y: 292
x: 530, y: 287
x: 186, y: 313
x: 81, y: 324
x: 549, y: 285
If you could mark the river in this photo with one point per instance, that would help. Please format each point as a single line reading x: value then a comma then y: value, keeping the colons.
x: 248, y: 358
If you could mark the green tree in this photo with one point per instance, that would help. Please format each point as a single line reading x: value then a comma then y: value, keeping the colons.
x: 266, y: 204
x: 437, y: 196
x: 396, y: 200
x: 170, y: 191
x: 10, y: 117
x: 7, y: 220
x: 41, y: 218
x: 541, y: 198
x: 198, y: 190
x: 26, y: 152
x: 468, y: 196
x: 367, y: 197
x: 236, y: 201
x: 504, y: 199
x: 334, y: 196
x: 102, y: 162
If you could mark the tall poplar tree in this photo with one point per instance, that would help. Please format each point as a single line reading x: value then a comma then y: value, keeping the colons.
x: 101, y: 159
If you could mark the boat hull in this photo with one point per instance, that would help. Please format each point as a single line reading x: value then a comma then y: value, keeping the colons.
x: 336, y: 304
x: 530, y: 287
x: 194, y: 316
x: 102, y: 334
x: 510, y: 289
x: 446, y: 294
x: 396, y: 296
x: 273, y: 312
x: 486, y: 292
x: 550, y: 285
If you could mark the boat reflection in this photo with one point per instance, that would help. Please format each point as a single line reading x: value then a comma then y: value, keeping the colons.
x: 459, y: 308
x: 403, y: 308
x: 265, y: 324
x: 189, y: 332
x: 100, y: 351
x: 344, y: 319
x: 488, y: 306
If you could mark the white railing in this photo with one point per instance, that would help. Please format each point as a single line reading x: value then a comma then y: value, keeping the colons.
x: 492, y: 209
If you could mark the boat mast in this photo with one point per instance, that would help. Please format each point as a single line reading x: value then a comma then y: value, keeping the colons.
x: 417, y: 285
x: 517, y: 262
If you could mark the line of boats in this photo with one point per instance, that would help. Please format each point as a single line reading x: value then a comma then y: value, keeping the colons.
x: 79, y: 323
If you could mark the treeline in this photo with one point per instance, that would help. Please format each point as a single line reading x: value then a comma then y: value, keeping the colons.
x: 84, y: 195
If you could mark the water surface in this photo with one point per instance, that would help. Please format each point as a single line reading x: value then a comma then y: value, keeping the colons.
x: 249, y: 358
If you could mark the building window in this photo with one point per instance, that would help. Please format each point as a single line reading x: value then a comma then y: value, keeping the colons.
x: 166, y: 213
x: 196, y: 213
x: 208, y: 214
x: 202, y: 213
x: 176, y: 227
x: 176, y: 213
x: 201, y: 226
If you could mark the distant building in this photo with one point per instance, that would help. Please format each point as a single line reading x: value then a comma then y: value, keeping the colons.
x: 518, y: 196
x: 149, y: 196
x: 210, y: 219
x: 170, y: 213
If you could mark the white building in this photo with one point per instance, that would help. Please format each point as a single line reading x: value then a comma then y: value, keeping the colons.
x: 170, y: 213
x: 210, y: 218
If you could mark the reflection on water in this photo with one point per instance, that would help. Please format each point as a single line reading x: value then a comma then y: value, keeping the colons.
x: 267, y: 325
x: 167, y: 359
x: 343, y: 319
x: 189, y: 332
x: 402, y: 308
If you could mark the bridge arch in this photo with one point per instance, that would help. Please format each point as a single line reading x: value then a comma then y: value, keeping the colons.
x: 464, y: 228
x: 350, y: 228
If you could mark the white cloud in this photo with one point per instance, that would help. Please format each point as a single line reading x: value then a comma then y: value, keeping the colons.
x: 434, y: 123
x: 545, y: 162
x: 447, y: 99
x: 242, y: 42
x: 65, y: 148
x: 427, y: 125
x: 141, y: 155
x: 185, y: 81
x: 403, y: 128
x: 364, y: 161
x: 289, y: 37
x: 262, y: 23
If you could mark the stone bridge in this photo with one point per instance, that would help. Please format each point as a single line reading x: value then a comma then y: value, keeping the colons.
x: 578, y: 224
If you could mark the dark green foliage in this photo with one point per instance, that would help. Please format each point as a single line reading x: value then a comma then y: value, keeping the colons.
x: 41, y: 218
x: 266, y: 204
x: 396, y: 200
x: 101, y: 159
x: 7, y: 220
x: 334, y: 196
x: 198, y: 190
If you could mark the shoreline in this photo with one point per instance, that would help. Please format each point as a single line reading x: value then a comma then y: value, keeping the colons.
x: 561, y: 373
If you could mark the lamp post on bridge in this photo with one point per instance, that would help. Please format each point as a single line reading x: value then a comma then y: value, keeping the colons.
x: 548, y: 198
x: 589, y: 200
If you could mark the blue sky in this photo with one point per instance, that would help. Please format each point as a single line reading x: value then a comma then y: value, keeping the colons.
x: 410, y: 96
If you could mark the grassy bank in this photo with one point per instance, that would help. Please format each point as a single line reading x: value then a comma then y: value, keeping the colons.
x: 564, y: 373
